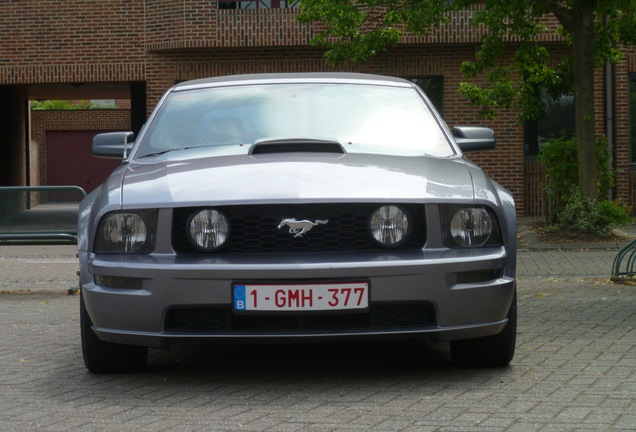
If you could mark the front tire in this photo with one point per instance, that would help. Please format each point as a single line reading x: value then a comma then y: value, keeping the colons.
x: 490, y: 351
x: 106, y: 357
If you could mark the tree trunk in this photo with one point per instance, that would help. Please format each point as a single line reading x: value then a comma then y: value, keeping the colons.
x: 584, y: 39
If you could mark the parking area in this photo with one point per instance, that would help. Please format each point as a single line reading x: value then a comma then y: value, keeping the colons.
x: 574, y: 370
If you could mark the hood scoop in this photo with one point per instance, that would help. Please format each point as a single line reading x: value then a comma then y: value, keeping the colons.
x: 294, y: 145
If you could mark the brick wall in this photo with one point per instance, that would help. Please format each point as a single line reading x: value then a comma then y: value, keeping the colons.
x: 71, y: 41
x: 625, y: 184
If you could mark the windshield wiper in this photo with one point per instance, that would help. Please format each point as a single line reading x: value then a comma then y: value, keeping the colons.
x: 159, y: 153
x: 190, y: 148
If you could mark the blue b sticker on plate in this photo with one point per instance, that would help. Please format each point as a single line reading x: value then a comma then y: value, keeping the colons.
x: 239, y: 297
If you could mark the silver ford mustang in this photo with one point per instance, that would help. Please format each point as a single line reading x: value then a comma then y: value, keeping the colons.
x: 296, y: 207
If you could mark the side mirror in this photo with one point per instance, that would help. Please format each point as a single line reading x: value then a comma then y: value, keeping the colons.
x: 474, y: 138
x: 112, y: 145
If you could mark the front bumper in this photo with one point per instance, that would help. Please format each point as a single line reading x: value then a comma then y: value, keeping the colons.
x: 455, y: 284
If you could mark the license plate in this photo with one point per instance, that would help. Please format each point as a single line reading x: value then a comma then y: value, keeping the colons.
x: 301, y: 297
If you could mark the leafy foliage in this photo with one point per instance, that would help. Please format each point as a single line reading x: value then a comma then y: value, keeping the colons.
x: 569, y: 210
x: 65, y: 105
x: 559, y: 158
x: 356, y: 30
x: 523, y: 22
x: 529, y: 62
x: 582, y: 215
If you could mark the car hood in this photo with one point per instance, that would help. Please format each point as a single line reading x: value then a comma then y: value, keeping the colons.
x: 299, y: 177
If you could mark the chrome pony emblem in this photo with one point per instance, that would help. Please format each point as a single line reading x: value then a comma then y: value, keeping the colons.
x: 299, y: 228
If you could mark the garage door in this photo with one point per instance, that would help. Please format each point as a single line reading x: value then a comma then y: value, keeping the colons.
x: 69, y: 160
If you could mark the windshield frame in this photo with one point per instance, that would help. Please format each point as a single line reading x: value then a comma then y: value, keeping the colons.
x: 435, y: 122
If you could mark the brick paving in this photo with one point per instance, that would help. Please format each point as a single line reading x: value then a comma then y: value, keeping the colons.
x: 574, y: 370
x: 38, y: 267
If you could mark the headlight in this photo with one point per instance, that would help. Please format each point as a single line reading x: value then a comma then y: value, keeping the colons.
x: 127, y: 232
x: 389, y: 226
x: 208, y: 230
x: 470, y: 227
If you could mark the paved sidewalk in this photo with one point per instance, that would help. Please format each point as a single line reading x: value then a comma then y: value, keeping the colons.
x: 38, y: 267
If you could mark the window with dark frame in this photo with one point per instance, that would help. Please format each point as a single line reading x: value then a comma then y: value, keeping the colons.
x: 556, y: 121
x: 433, y: 86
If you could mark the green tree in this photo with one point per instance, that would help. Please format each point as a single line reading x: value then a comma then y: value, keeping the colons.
x: 354, y: 30
x: 65, y: 105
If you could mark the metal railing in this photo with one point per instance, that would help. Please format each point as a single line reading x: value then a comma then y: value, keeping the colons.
x: 39, y: 212
x: 257, y: 4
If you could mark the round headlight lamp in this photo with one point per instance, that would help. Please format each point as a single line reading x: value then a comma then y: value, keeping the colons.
x: 208, y: 230
x: 471, y: 227
x: 389, y: 226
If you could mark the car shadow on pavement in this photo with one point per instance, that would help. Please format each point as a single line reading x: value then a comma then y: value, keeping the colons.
x: 361, y: 357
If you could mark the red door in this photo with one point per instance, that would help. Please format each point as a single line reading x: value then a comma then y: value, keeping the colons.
x: 69, y: 161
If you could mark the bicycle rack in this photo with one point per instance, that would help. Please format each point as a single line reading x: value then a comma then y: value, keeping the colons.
x: 625, y: 260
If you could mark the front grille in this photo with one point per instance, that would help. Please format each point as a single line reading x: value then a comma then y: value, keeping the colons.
x: 254, y: 228
x: 383, y: 316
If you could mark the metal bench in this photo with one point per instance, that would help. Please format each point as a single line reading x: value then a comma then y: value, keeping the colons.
x: 39, y: 212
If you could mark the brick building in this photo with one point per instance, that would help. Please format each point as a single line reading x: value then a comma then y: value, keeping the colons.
x: 136, y: 49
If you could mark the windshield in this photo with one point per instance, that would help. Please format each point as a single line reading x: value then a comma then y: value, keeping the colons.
x: 363, y: 118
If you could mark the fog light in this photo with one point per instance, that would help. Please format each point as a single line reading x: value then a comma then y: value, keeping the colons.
x: 119, y: 282
x: 208, y: 230
x: 389, y: 226
x: 477, y: 276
